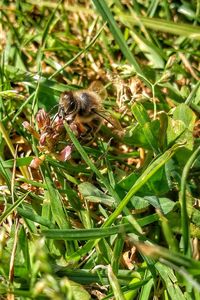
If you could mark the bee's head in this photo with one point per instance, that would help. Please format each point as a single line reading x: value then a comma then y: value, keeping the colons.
x: 68, y: 103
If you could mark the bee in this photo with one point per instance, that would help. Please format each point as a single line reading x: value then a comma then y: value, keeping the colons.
x: 79, y: 106
x: 84, y: 109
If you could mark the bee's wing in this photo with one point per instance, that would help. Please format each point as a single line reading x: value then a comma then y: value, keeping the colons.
x: 98, y: 87
x: 106, y: 115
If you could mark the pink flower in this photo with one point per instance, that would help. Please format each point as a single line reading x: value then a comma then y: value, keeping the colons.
x: 65, y: 154
x: 30, y: 129
x: 43, y: 119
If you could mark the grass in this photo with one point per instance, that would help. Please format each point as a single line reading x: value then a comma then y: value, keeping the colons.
x: 120, y: 218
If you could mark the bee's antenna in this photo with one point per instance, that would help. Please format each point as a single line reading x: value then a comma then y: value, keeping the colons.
x: 103, y: 117
x: 53, y: 108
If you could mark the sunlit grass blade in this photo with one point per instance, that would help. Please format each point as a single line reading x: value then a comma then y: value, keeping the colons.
x: 148, y: 173
x: 169, y: 279
x: 190, y: 31
x: 56, y: 205
x: 168, y: 233
x: 176, y: 258
x: 153, y: 53
x: 115, y: 285
x: 49, y: 24
x: 193, y: 93
x: 12, y: 207
x: 57, y: 209
x: 78, y: 54
x: 18, y: 75
x: 146, y: 289
x: 117, y: 34
x: 3, y: 131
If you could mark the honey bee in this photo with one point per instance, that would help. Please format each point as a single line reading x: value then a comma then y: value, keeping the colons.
x: 84, y: 108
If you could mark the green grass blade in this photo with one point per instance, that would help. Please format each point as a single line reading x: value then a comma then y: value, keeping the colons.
x: 146, y: 289
x: 104, y: 180
x: 87, y: 234
x: 30, y: 215
x: 48, y: 25
x: 193, y: 93
x: 20, y: 161
x: 183, y: 202
x: 6, y: 137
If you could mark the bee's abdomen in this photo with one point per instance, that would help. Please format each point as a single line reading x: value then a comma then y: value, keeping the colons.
x: 85, y: 104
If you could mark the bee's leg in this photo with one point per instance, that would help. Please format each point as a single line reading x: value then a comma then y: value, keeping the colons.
x: 91, y: 132
x: 87, y: 132
x: 54, y: 117
x: 98, y: 125
x: 88, y: 139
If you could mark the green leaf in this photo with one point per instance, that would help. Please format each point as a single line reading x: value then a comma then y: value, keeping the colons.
x: 153, y: 54
x: 185, y: 114
x: 174, y: 130
x: 165, y: 205
x: 157, y: 184
x: 127, y: 182
x: 93, y: 194
x: 140, y: 113
x: 143, y: 119
x: 195, y: 215
x: 139, y: 202
x: 56, y: 205
x: 169, y: 280
x: 138, y: 135
x: 180, y: 128
x: 78, y: 291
